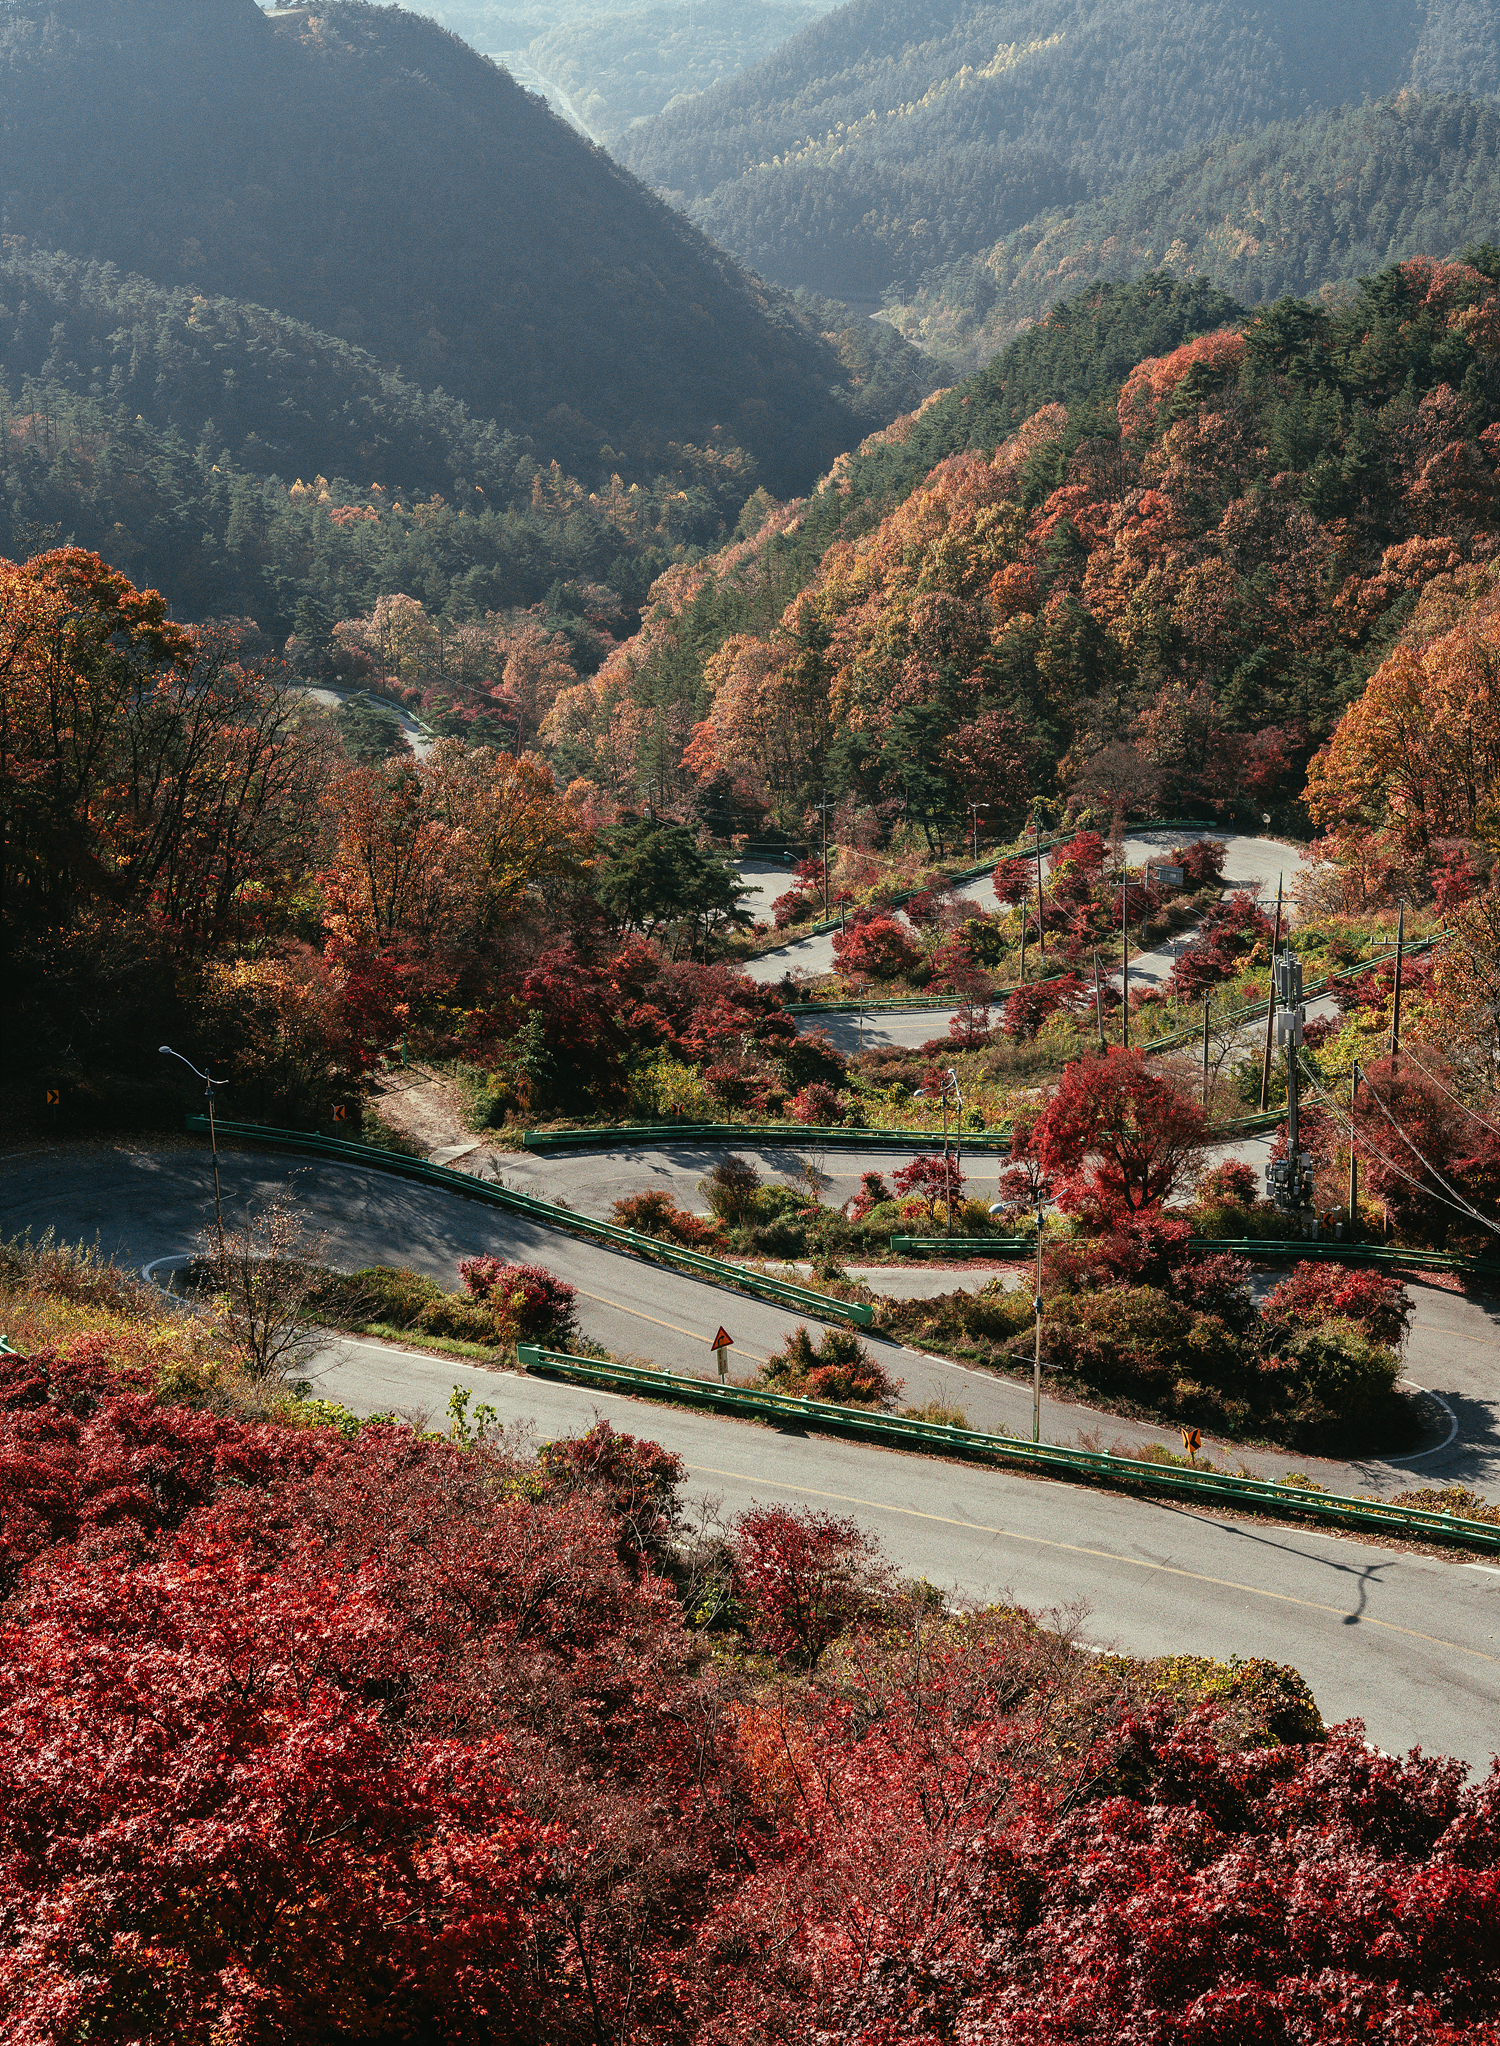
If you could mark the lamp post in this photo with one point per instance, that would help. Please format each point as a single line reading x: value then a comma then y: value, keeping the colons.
x: 974, y: 810
x: 213, y: 1137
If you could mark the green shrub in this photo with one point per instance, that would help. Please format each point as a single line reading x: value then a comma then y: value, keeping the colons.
x: 459, y: 1319
x: 839, y: 1369
x: 384, y: 1293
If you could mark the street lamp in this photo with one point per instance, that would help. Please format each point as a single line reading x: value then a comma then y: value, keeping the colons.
x: 213, y: 1138
x: 974, y: 810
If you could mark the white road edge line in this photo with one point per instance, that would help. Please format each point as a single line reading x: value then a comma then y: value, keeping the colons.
x: 1418, y: 1454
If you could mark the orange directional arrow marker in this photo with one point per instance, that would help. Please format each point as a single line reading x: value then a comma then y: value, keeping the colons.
x: 722, y: 1341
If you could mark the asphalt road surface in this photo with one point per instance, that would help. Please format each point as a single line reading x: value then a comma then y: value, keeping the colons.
x: 1408, y: 1643
x: 1250, y: 863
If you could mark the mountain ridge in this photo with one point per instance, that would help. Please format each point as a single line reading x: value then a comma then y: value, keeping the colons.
x: 364, y: 171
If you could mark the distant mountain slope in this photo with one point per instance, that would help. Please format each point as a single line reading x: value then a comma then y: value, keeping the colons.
x: 896, y: 135
x: 364, y: 171
x: 241, y: 461
x: 621, y: 67
x: 1286, y: 211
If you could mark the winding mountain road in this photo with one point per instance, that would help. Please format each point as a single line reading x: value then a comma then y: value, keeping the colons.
x: 1410, y: 1643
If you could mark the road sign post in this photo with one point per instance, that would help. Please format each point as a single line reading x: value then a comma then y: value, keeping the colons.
x: 721, y: 1345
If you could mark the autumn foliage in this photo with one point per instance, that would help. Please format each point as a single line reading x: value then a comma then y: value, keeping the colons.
x: 307, y: 1737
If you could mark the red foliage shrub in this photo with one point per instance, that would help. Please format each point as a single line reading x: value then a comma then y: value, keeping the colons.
x: 811, y: 1058
x: 1316, y: 1293
x: 839, y: 1369
x: 873, y: 1192
x: 1226, y: 934
x: 881, y: 948
x: 637, y: 1481
x: 1115, y: 1135
x: 530, y: 1304
x: 797, y: 906
x: 806, y: 1577
x: 1230, y: 1181
x: 934, y: 1180
x: 817, y: 1104
x: 1029, y: 1007
x: 1202, y: 862
x: 655, y: 1213
x: 1014, y: 881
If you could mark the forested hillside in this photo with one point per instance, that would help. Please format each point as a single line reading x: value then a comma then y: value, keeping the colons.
x: 1125, y: 584
x: 1290, y: 209
x: 361, y: 170
x: 239, y: 460
x: 624, y: 66
x: 894, y: 136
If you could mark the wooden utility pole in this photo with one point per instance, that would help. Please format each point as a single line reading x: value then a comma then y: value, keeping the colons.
x: 1124, y: 953
x: 1265, y: 1064
x: 1396, y: 1000
x: 1353, y: 1156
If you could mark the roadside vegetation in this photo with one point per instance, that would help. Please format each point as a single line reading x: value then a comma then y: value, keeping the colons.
x: 340, y: 1704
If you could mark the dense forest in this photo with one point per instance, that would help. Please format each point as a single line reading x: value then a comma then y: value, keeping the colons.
x: 1293, y: 209
x: 1161, y: 588
x: 302, y: 160
x: 621, y: 67
x: 241, y: 461
x: 890, y: 138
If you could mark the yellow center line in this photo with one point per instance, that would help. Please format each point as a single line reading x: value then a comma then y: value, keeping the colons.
x: 640, y: 1314
x: 1102, y: 1555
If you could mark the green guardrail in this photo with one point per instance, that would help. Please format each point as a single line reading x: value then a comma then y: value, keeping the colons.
x: 935, y: 1438
x: 1272, y: 1250
x: 723, y: 1272
x: 1392, y: 1256
x: 830, y: 1137
x: 1005, y: 1247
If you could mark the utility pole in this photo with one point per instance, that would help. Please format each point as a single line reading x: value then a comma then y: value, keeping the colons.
x: 1265, y: 1064
x: 1124, y: 953
x: 1098, y: 1001
x: 1353, y: 1157
x: 1396, y: 1001
x: 1036, y: 1368
x: 1041, y: 928
x: 823, y: 818
x: 1205, y: 1054
x: 1289, y: 1179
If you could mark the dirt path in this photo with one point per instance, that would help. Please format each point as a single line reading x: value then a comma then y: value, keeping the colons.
x: 427, y: 1107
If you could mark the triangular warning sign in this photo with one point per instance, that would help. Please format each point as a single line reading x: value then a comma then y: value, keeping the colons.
x: 722, y: 1341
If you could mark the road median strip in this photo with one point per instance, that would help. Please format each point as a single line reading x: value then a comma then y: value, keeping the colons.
x: 1088, y: 1466
x: 653, y: 1249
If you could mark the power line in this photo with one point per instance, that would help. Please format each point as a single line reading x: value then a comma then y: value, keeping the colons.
x: 1427, y: 1162
x: 1473, y: 1113
x: 1367, y: 1145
